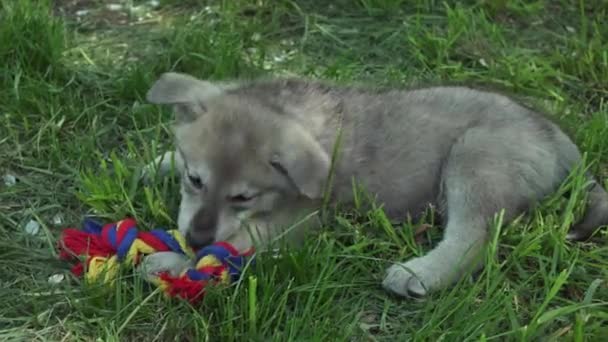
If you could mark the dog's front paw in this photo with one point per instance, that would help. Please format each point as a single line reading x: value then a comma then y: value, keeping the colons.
x: 170, y: 262
x: 147, y: 173
x: 412, y: 279
x: 161, y: 167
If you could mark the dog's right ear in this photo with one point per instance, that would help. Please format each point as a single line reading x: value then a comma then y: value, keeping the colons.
x: 301, y: 159
x: 185, y: 93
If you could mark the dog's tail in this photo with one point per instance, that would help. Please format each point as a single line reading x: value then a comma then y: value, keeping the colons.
x: 596, y: 214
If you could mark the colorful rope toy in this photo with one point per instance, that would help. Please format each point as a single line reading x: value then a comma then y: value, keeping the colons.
x: 105, y: 248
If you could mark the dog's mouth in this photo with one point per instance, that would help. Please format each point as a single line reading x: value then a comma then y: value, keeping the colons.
x: 225, y: 237
x: 247, y: 230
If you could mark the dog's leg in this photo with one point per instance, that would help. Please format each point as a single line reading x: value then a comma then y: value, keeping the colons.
x: 464, y: 239
x: 479, y: 179
x: 162, y: 165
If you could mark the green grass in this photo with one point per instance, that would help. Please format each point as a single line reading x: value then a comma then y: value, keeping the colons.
x: 74, y: 129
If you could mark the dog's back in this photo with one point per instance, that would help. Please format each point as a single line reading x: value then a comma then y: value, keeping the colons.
x: 396, y: 142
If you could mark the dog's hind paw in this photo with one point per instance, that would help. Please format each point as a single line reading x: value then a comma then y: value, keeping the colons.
x: 410, y: 279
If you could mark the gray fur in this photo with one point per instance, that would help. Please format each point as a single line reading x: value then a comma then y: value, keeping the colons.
x: 469, y: 152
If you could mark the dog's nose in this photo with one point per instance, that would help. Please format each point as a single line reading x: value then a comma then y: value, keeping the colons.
x: 202, y: 228
x: 198, y: 242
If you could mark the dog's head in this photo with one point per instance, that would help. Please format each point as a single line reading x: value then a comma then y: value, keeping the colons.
x: 248, y: 167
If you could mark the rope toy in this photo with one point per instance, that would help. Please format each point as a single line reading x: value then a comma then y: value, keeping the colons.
x: 101, y: 249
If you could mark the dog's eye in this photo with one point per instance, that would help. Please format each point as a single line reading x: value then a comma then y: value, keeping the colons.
x: 240, y: 198
x: 196, y: 181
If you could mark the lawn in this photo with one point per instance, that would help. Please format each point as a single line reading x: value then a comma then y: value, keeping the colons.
x: 75, y: 130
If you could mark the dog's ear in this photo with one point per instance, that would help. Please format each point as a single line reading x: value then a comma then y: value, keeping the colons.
x: 303, y: 161
x: 185, y: 93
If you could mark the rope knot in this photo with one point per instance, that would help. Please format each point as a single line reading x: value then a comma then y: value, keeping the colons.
x: 105, y: 247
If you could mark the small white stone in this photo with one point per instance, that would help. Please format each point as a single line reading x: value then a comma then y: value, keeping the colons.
x: 570, y: 29
x: 81, y: 13
x: 114, y: 7
x: 59, y: 123
x: 32, y: 227
x: 154, y: 3
x: 280, y: 57
x: 58, y: 219
x: 276, y: 253
x: 137, y: 10
x: 9, y: 180
x: 56, y: 279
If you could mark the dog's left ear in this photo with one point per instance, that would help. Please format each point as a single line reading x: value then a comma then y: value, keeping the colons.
x: 185, y: 93
x: 303, y: 161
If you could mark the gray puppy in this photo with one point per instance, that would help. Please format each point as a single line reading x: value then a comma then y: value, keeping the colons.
x: 261, y: 154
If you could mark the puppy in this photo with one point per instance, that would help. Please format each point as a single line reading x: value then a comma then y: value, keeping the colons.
x: 258, y: 156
